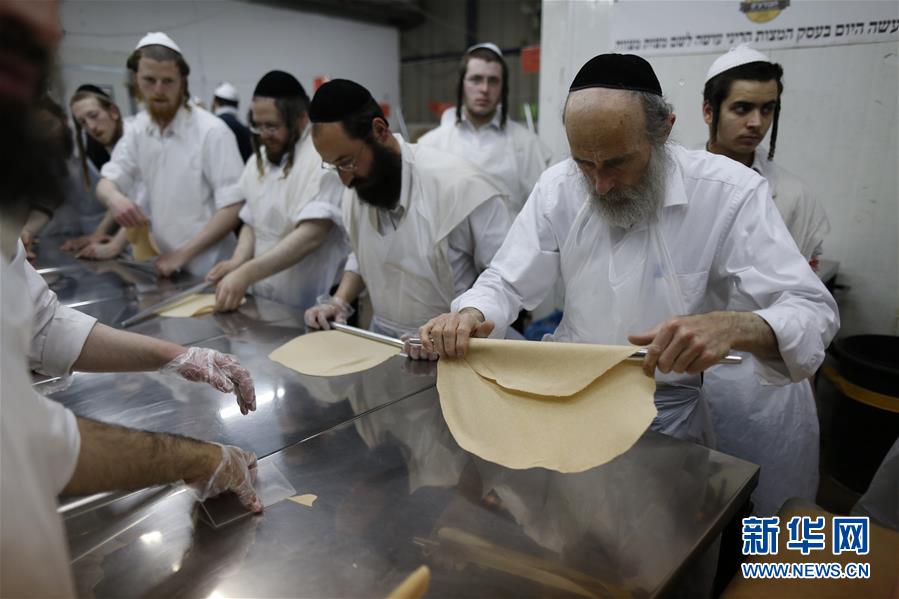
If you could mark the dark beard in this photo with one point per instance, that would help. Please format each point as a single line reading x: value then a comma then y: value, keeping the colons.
x: 381, y: 188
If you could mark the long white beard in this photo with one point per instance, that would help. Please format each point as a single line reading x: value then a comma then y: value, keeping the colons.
x: 625, y: 208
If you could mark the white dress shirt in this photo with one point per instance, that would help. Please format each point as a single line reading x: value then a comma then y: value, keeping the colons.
x: 802, y: 213
x: 512, y: 154
x: 730, y: 251
x: 190, y: 171
x: 57, y: 332
x: 276, y: 205
x: 39, y: 446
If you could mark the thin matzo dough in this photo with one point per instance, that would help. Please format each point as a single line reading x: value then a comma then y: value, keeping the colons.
x: 332, y: 353
x: 520, y: 425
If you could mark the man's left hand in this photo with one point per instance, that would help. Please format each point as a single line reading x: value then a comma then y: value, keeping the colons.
x: 687, y: 344
x: 230, y: 292
x: 222, y: 371
x: 170, y: 263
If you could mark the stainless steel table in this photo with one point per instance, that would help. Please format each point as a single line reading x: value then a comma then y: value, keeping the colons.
x: 395, y: 491
x: 290, y: 406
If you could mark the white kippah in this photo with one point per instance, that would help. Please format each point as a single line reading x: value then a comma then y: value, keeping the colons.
x: 157, y: 38
x: 735, y: 57
x: 489, y: 46
x: 226, y: 91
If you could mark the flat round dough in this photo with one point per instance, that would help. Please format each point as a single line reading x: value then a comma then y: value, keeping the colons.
x: 332, y: 353
x: 519, y: 425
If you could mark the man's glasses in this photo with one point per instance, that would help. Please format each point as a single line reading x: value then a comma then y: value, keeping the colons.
x: 261, y: 129
x: 344, y: 167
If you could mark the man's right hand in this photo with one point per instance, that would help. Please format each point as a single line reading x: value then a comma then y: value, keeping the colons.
x: 235, y: 471
x: 448, y: 334
x: 126, y: 213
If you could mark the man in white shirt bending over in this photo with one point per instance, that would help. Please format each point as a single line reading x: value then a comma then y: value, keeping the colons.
x: 292, y: 246
x: 656, y: 245
x: 186, y: 157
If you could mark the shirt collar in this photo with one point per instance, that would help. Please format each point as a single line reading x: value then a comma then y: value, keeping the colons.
x: 493, y: 124
x: 675, y: 194
x: 176, y: 127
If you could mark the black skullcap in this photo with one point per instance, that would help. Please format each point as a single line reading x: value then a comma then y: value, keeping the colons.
x: 617, y: 71
x: 90, y: 87
x: 278, y: 84
x: 338, y: 99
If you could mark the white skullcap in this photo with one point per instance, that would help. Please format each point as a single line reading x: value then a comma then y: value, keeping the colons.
x: 735, y: 57
x: 157, y: 38
x: 226, y: 91
x: 489, y: 46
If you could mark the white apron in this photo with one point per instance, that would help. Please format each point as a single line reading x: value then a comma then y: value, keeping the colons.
x: 273, y: 204
x: 622, y: 282
x: 407, y: 271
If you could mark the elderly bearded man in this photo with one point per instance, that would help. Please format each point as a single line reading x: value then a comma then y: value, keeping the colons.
x: 656, y: 245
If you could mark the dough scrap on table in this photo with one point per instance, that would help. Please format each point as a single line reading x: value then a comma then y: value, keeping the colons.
x: 198, y: 304
x: 307, y: 499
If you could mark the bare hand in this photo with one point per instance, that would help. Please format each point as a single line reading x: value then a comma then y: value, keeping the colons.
x: 28, y: 241
x: 218, y: 272
x: 76, y: 244
x: 105, y: 250
x: 230, y: 292
x: 126, y: 213
x: 448, y: 334
x: 687, y: 344
x: 416, y: 351
x: 170, y: 263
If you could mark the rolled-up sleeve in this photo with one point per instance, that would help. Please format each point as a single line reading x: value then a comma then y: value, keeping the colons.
x: 58, y: 333
x: 325, y: 205
x: 222, y: 166
x: 522, y: 272
x: 122, y: 169
x: 772, y: 279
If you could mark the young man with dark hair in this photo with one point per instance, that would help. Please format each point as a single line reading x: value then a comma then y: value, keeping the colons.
x: 188, y: 162
x: 225, y: 103
x: 773, y: 426
x: 422, y: 223
x: 741, y: 101
x: 482, y: 132
x: 45, y: 450
x: 292, y: 247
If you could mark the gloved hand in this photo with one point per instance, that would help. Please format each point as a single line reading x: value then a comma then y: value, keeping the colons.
x: 416, y: 351
x: 235, y: 472
x: 328, y: 308
x: 222, y: 371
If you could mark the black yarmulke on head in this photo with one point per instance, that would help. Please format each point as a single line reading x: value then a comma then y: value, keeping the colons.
x: 278, y: 84
x: 617, y: 71
x: 338, y: 99
x: 90, y: 87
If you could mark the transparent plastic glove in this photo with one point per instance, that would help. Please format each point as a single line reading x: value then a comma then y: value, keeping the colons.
x: 236, y: 472
x: 416, y: 351
x: 222, y: 371
x: 327, y: 308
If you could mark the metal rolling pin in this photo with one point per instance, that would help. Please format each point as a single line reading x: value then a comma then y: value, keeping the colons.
x: 637, y: 355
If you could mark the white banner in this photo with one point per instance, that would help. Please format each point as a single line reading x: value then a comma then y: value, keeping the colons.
x: 654, y: 27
